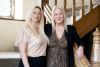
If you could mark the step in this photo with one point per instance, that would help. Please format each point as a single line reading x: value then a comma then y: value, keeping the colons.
x: 9, y: 55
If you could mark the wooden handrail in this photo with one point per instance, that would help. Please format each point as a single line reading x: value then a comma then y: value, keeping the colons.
x: 80, y: 63
x: 88, y: 22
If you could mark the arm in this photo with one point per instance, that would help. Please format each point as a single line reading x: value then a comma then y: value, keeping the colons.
x: 22, y: 41
x: 77, y: 38
x: 23, y: 52
x: 80, y: 50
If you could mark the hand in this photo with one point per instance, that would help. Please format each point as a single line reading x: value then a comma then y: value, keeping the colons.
x: 27, y: 66
x: 80, y: 52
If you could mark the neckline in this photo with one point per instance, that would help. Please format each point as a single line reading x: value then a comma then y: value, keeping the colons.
x: 57, y: 36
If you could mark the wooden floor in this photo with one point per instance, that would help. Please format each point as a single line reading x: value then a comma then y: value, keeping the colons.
x: 9, y: 62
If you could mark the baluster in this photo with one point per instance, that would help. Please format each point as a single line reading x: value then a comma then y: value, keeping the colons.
x: 95, y: 56
x: 65, y: 3
x: 91, y: 5
x: 47, y: 1
x: 55, y: 2
x: 43, y: 4
x: 82, y: 7
x: 73, y: 11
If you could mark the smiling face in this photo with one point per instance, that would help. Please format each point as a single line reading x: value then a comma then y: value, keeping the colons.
x: 58, y: 16
x: 36, y: 15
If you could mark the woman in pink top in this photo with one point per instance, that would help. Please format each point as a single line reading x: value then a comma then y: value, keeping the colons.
x: 32, y: 40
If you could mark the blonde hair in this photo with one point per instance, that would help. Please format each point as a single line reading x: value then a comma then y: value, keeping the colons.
x: 53, y: 22
x: 30, y: 26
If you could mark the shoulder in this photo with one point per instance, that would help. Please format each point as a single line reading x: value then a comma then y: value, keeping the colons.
x: 48, y: 29
x: 24, y: 31
x: 71, y: 28
x: 48, y: 25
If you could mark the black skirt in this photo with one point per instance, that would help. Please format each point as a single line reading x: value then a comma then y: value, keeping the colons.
x: 35, y: 62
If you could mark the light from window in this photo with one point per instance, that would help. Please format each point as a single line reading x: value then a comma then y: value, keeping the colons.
x: 5, y: 8
x: 18, y: 9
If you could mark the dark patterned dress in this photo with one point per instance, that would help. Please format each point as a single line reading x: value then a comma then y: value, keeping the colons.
x: 57, y: 52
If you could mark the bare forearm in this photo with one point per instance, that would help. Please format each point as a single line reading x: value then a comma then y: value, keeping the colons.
x: 24, y: 56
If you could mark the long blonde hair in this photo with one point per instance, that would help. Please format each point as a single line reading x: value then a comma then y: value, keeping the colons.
x: 30, y: 26
x: 53, y: 22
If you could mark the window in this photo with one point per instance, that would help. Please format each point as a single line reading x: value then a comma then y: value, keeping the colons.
x: 7, y: 9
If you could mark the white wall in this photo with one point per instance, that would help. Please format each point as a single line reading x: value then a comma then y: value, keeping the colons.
x: 23, y: 6
x: 8, y: 32
x: 28, y: 4
x: 10, y: 28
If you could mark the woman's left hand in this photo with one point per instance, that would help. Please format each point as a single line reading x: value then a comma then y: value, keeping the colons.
x: 80, y: 52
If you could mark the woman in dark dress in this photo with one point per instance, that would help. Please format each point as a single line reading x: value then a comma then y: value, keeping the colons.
x: 62, y: 37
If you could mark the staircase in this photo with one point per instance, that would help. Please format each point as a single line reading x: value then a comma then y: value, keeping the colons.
x: 84, y: 25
